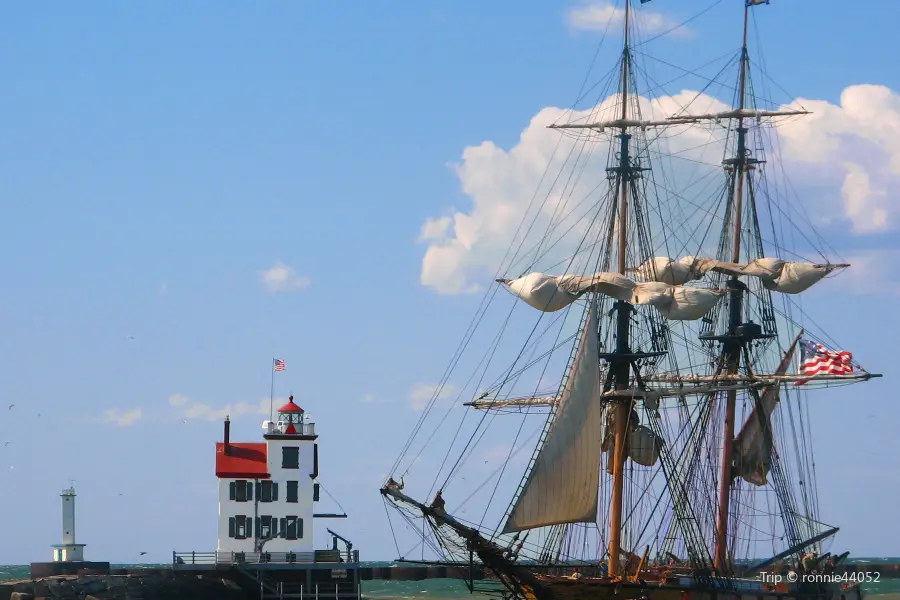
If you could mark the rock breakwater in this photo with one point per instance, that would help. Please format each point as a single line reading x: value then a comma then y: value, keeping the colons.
x: 136, y: 585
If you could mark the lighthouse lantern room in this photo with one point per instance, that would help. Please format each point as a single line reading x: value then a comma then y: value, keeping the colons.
x: 267, y: 489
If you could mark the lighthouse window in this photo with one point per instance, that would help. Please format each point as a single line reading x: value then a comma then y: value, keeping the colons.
x: 290, y: 457
x: 264, y: 527
x: 240, y: 490
x: 292, y: 528
x: 240, y: 527
x: 267, y: 491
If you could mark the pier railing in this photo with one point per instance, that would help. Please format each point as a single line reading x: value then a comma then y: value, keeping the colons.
x: 212, y: 560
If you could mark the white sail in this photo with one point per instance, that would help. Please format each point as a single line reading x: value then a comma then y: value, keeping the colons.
x: 787, y: 277
x: 549, y: 293
x: 564, y: 481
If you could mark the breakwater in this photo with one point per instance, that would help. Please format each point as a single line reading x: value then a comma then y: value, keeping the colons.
x: 141, y: 584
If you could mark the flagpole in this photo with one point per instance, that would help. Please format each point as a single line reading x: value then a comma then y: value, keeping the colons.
x: 272, y: 390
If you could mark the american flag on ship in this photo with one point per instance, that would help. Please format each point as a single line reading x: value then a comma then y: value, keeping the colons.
x: 816, y: 359
x: 279, y: 365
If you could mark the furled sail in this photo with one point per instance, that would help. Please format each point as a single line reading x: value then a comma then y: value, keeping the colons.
x: 641, y: 443
x: 787, y: 277
x: 549, y: 293
x: 753, y: 445
x: 564, y: 480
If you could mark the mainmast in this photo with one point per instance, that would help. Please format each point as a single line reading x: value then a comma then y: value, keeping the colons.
x: 620, y: 367
x: 738, y: 335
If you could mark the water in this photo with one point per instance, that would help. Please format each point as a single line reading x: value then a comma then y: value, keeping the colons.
x: 444, y: 589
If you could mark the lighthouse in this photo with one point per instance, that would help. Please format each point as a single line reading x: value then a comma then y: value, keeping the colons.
x: 68, y: 550
x: 267, y: 489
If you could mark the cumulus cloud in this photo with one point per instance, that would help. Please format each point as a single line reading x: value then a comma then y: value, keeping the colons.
x: 853, y: 146
x: 422, y: 393
x: 282, y: 278
x: 843, y: 160
x: 190, y: 409
x: 606, y: 16
x: 121, y: 418
x: 178, y: 400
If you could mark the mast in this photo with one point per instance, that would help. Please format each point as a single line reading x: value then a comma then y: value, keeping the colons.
x: 733, y: 342
x: 620, y: 367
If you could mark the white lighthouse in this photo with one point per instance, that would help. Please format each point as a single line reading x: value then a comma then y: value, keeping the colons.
x: 68, y: 550
x: 267, y: 490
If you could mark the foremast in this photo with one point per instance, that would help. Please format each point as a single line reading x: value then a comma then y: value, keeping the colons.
x: 620, y: 366
x: 733, y: 343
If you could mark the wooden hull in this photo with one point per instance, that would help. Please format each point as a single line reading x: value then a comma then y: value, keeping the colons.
x: 563, y: 588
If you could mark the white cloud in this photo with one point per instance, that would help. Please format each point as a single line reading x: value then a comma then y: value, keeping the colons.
x: 189, y: 409
x: 606, y: 16
x: 843, y: 160
x: 120, y: 418
x: 282, y: 278
x: 178, y: 399
x: 422, y: 393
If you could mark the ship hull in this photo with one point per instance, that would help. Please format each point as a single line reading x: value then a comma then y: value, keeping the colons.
x: 563, y: 588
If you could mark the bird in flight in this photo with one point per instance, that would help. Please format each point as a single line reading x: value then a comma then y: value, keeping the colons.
x: 129, y: 337
x: 11, y: 406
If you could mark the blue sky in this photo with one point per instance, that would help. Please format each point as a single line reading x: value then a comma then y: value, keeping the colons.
x: 157, y: 158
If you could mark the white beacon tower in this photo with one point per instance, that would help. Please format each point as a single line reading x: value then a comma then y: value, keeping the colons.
x: 68, y: 550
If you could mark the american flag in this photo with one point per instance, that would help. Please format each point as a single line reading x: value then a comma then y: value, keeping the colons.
x: 816, y: 359
x: 279, y: 365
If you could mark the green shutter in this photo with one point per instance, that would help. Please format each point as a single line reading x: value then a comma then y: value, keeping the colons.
x: 283, y: 529
x: 249, y: 491
x: 259, y: 490
x: 315, y: 492
x: 299, y: 529
x: 232, y: 487
x: 274, y: 491
x: 249, y: 527
x: 231, y: 526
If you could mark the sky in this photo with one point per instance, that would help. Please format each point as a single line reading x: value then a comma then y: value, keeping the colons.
x: 189, y: 189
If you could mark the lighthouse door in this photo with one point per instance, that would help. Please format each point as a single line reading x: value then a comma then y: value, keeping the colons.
x: 59, y: 554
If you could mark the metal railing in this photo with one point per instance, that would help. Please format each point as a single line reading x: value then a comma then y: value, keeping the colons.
x: 213, y: 559
x: 318, y: 592
x: 301, y: 428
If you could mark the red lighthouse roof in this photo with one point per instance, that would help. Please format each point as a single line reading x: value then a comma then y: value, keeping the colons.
x: 290, y: 407
x: 247, y: 461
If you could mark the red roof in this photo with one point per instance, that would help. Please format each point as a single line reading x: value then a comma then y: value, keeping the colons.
x: 246, y: 461
x: 290, y: 407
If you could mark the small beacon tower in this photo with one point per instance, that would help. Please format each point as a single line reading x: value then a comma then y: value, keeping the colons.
x: 68, y: 550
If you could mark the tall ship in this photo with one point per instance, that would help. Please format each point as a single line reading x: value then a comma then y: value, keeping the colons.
x: 658, y: 375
